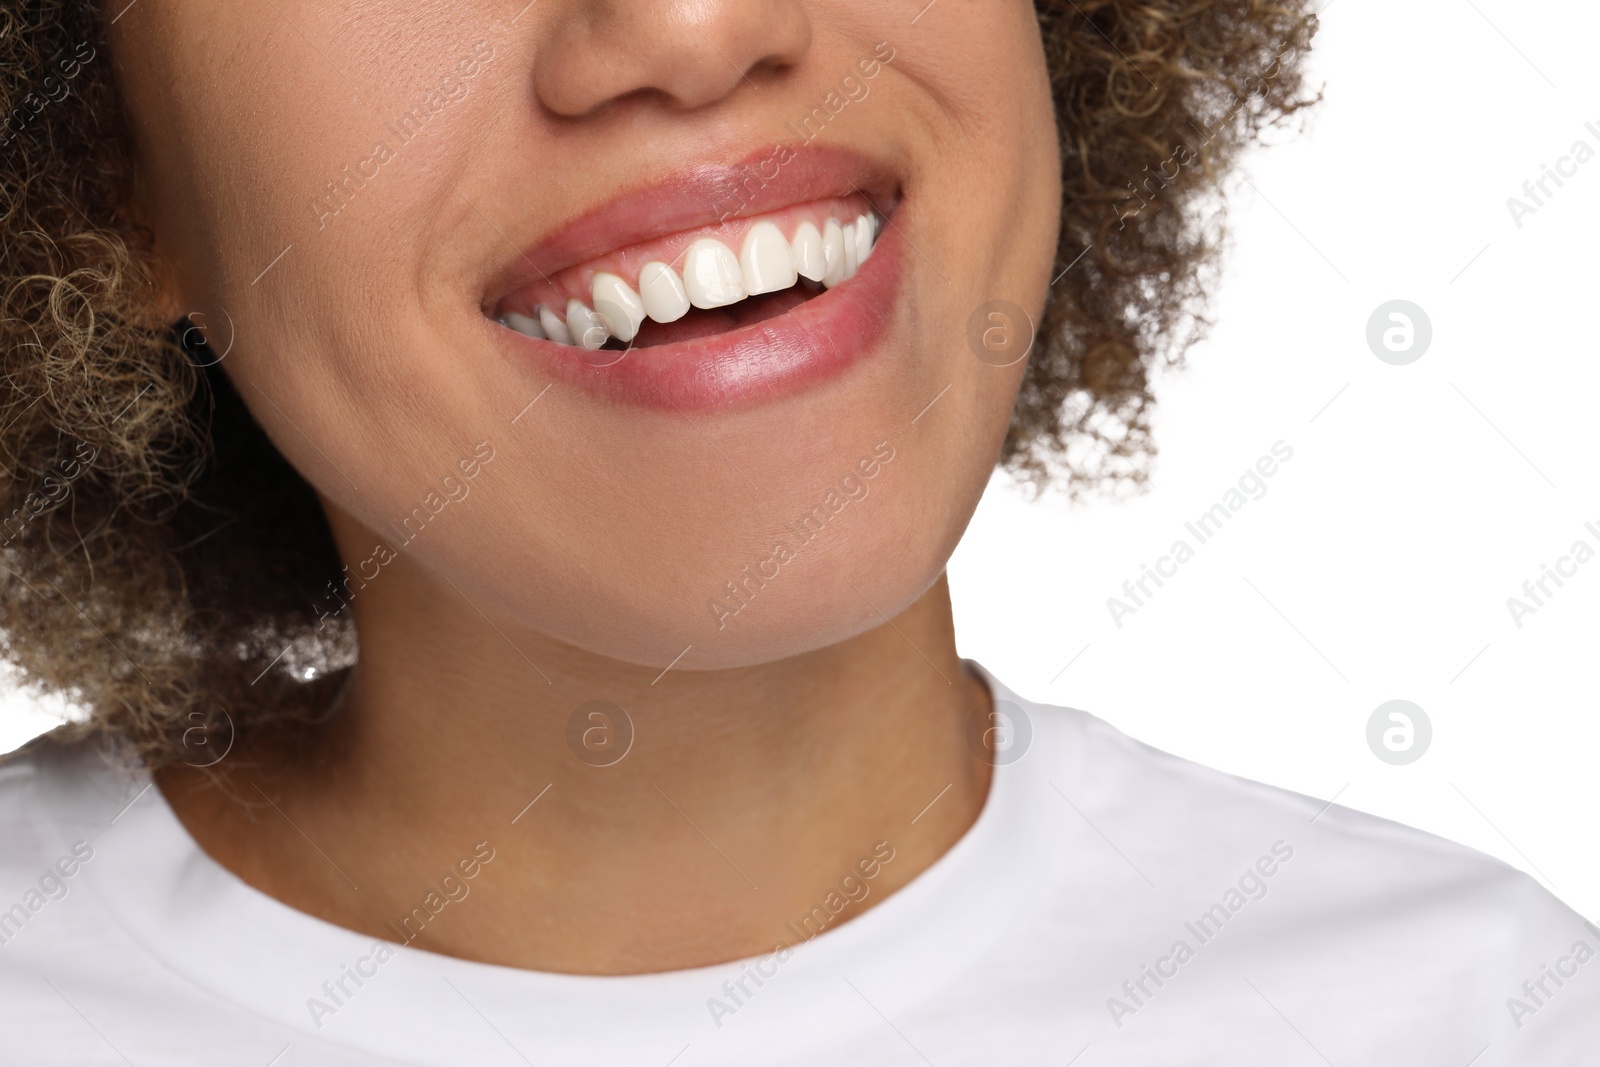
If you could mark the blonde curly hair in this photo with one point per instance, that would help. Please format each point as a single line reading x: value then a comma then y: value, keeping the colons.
x: 159, y: 560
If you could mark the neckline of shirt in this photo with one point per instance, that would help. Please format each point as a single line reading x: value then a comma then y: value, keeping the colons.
x: 200, y: 921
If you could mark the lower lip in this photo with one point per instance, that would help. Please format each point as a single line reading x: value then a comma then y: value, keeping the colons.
x: 767, y: 360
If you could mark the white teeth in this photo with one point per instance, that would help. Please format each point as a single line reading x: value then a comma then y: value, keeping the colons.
x: 851, y: 263
x: 832, y: 253
x: 712, y: 275
x: 585, y: 326
x: 554, y: 327
x: 617, y: 306
x: 807, y: 251
x: 522, y: 324
x: 864, y: 230
x: 766, y: 263
x: 665, y: 299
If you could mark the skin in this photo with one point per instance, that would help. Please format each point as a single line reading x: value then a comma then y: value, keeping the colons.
x: 780, y: 749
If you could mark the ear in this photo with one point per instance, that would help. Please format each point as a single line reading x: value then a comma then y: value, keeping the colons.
x: 163, y: 298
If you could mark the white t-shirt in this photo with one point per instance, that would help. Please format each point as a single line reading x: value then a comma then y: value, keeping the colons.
x: 1111, y: 905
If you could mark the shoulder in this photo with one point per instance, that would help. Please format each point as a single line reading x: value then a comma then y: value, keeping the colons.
x: 57, y: 800
x: 52, y: 780
x: 54, y: 801
x: 1344, y: 914
x: 48, y: 936
x: 25, y: 837
x: 82, y: 847
x: 1184, y: 811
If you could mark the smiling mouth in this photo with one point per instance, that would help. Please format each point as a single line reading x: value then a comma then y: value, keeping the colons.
x: 656, y: 298
x: 700, y: 282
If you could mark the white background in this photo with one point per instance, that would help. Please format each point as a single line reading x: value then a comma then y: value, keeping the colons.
x: 1379, y: 562
x: 1419, y: 498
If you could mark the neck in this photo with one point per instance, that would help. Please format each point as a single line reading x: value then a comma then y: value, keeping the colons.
x: 637, y: 821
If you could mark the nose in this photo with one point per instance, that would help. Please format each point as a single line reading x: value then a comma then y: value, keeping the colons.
x: 690, y: 53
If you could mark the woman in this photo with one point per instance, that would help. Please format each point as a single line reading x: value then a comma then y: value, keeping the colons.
x: 510, y: 606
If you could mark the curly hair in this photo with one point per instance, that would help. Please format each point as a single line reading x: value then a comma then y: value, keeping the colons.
x: 158, y: 555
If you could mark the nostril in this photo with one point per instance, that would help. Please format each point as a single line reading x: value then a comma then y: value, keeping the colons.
x: 591, y: 58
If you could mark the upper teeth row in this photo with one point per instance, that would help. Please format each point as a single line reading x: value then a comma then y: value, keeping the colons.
x: 712, y: 277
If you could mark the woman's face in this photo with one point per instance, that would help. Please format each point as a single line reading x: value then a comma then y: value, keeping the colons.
x: 355, y: 196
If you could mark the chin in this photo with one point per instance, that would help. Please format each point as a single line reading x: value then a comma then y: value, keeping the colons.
x: 841, y: 558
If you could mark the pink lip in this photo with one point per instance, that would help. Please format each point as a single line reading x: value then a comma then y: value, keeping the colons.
x: 777, y: 356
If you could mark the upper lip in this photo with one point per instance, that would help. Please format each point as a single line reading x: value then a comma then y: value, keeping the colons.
x: 702, y: 196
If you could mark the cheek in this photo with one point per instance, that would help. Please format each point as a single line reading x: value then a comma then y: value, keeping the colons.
x: 238, y: 185
x: 300, y: 234
x: 993, y: 196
